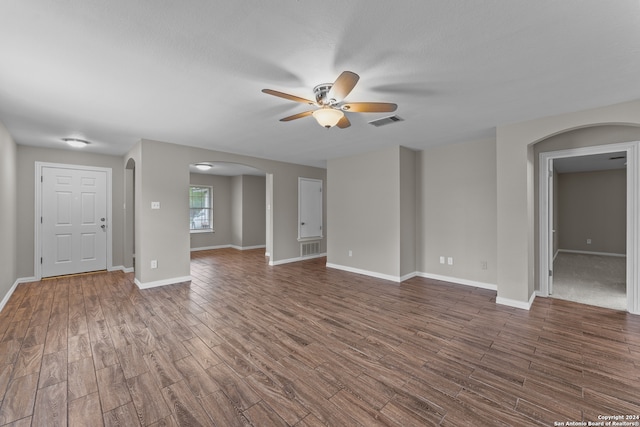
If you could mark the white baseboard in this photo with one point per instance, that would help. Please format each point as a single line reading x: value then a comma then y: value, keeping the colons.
x: 246, y: 248
x: 516, y: 303
x: 570, y: 251
x: 409, y: 276
x: 267, y: 254
x: 207, y: 248
x: 375, y: 274
x: 296, y: 259
x: 458, y: 281
x: 5, y: 300
x: 239, y: 248
x: 121, y: 268
x: 162, y: 282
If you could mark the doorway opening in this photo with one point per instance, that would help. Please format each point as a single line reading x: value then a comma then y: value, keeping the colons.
x: 587, y: 245
x: 229, y: 206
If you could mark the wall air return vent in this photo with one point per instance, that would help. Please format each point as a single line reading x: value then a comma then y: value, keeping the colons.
x: 386, y: 121
x: 309, y: 248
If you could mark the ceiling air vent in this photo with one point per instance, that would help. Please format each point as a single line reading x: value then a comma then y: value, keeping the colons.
x: 386, y: 121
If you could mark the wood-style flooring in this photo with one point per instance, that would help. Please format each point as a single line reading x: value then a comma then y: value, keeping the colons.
x: 299, y: 344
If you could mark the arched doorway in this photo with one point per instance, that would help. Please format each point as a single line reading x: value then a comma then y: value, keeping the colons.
x: 580, y: 145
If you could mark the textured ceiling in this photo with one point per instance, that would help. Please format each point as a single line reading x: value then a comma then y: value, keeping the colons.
x: 190, y: 72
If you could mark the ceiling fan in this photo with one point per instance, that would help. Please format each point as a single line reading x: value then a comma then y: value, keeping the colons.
x: 330, y: 99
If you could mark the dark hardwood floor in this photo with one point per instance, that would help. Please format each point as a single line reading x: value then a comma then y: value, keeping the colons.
x: 299, y: 344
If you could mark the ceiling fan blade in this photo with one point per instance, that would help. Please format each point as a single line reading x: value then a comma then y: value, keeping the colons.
x: 343, y: 123
x: 343, y: 85
x: 369, y: 107
x: 297, y: 116
x: 287, y: 96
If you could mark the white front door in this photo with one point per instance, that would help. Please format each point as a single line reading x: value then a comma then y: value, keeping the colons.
x: 74, y: 221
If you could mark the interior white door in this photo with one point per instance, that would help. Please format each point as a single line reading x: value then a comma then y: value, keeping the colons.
x: 310, y: 208
x: 74, y: 221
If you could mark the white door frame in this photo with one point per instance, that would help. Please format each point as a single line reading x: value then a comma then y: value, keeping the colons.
x: 633, y: 220
x: 37, y: 266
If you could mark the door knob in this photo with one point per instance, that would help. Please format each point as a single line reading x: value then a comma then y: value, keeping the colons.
x: 101, y: 219
x: 103, y: 226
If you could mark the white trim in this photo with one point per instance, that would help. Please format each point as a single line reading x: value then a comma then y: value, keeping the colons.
x: 121, y: 268
x: 247, y: 248
x: 297, y: 259
x: 633, y: 214
x: 207, y: 248
x: 239, y: 248
x: 37, y: 267
x: 409, y: 276
x: 458, y: 281
x: 267, y: 254
x: 516, y: 303
x: 375, y: 274
x: 162, y: 282
x: 18, y: 281
x: 571, y: 251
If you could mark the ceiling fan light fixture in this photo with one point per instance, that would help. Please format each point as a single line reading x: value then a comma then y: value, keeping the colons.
x: 203, y: 166
x: 328, y: 117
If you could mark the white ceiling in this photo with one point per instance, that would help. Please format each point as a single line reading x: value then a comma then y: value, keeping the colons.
x: 190, y: 72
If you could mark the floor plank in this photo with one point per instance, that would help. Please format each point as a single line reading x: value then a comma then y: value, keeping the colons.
x: 245, y: 343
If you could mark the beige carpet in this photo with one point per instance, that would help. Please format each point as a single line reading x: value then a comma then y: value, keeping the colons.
x: 590, y: 279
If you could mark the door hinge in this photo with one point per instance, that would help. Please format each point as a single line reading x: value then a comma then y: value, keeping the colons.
x: 40, y: 220
x: 40, y: 260
x: 41, y: 178
x: 550, y: 273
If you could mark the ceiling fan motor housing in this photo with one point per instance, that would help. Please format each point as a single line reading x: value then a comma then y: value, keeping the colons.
x: 322, y: 94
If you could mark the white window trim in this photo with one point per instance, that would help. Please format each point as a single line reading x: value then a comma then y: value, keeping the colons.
x: 203, y: 230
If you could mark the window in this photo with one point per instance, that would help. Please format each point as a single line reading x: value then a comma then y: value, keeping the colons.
x: 200, y: 208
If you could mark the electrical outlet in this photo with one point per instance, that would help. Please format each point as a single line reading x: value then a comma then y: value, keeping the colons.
x: 483, y: 264
x: 588, y: 241
x: 441, y: 260
x: 155, y: 205
x: 154, y: 263
x: 450, y: 260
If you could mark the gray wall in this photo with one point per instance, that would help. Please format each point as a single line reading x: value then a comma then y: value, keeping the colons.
x: 8, y: 212
x: 221, y: 211
x: 593, y: 205
x: 408, y: 206
x: 364, y: 212
x: 248, y: 211
x: 253, y: 211
x: 457, y: 210
x: 162, y: 175
x: 26, y: 158
x: 236, y: 211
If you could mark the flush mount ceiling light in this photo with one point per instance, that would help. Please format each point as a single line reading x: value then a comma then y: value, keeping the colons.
x: 76, y: 142
x: 328, y: 117
x: 203, y: 166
